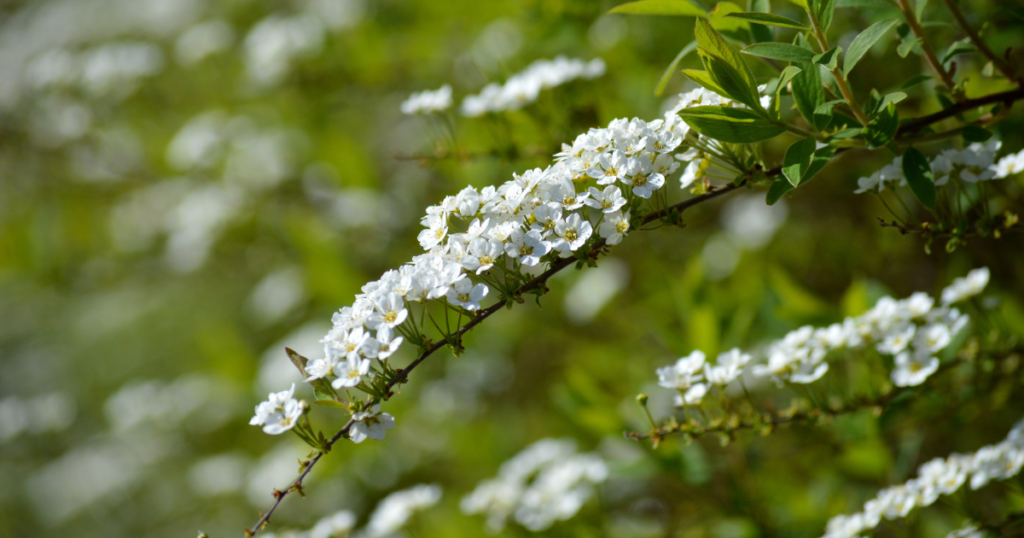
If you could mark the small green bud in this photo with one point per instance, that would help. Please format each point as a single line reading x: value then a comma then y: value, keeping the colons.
x: 641, y: 399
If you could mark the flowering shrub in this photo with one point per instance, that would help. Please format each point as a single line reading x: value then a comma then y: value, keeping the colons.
x: 512, y: 264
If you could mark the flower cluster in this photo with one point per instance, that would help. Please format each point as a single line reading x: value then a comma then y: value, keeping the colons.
x: 546, y: 482
x: 935, y: 478
x: 279, y: 413
x: 977, y: 162
x: 910, y: 330
x: 394, y: 511
x: 427, y: 102
x: 524, y: 87
x: 333, y: 526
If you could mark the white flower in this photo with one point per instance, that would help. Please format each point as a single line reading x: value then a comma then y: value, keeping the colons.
x: 573, y: 233
x: 437, y: 230
x: 527, y: 246
x: 933, y: 337
x: 370, y: 423
x: 428, y: 101
x: 728, y: 367
x: 897, y: 340
x: 334, y: 525
x: 482, y: 254
x: 644, y: 180
x: 467, y: 295
x: 395, y: 510
x: 279, y: 413
x: 350, y: 371
x: 608, y: 201
x: 388, y: 345
x: 390, y: 311
x: 614, y: 227
x: 318, y: 368
x: 610, y: 168
x: 913, y: 369
x: 684, y: 373
x: 693, y: 395
x: 966, y: 287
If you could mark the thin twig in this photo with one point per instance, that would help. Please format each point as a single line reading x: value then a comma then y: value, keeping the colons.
x: 911, y: 17
x: 998, y: 62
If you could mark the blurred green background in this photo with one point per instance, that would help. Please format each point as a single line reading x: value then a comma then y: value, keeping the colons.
x: 188, y: 186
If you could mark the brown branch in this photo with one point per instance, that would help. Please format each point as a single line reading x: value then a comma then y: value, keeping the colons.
x: 911, y: 17
x: 1007, y: 98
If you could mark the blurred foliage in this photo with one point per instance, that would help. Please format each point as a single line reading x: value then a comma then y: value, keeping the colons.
x: 120, y: 268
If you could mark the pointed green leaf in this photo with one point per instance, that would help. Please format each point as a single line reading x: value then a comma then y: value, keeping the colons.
x: 894, y: 98
x: 919, y: 176
x: 959, y: 47
x: 760, y: 32
x: 733, y: 125
x: 823, y: 114
x: 823, y: 11
x: 730, y: 80
x: 298, y: 360
x: 915, y: 80
x: 797, y: 160
x: 329, y: 402
x: 780, y: 51
x: 660, y: 7
x: 779, y: 188
x: 906, y: 46
x: 768, y: 19
x: 784, y: 78
x: 720, y: 20
x: 667, y: 75
x: 704, y: 79
x: 828, y: 58
x: 882, y: 129
x: 808, y: 91
x: 714, y: 44
x: 820, y: 158
x: 863, y: 43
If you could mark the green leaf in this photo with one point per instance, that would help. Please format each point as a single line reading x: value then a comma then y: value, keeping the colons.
x: 845, y: 134
x: 780, y: 51
x: 915, y: 80
x: 667, y: 75
x: 973, y: 133
x: 921, y: 5
x: 863, y: 43
x: 329, y: 402
x: 828, y: 58
x: 730, y: 80
x: 808, y: 92
x: 704, y: 79
x: 919, y: 176
x: 298, y: 360
x: 865, y: 3
x: 733, y: 125
x: 823, y: 11
x: 660, y: 7
x: 784, y: 78
x: 760, y: 32
x: 820, y: 158
x: 959, y: 47
x: 780, y: 187
x: 713, y: 44
x: 894, y: 98
x: 823, y: 114
x: 882, y: 129
x: 797, y: 160
x: 719, y: 19
x: 906, y: 46
x: 768, y: 19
